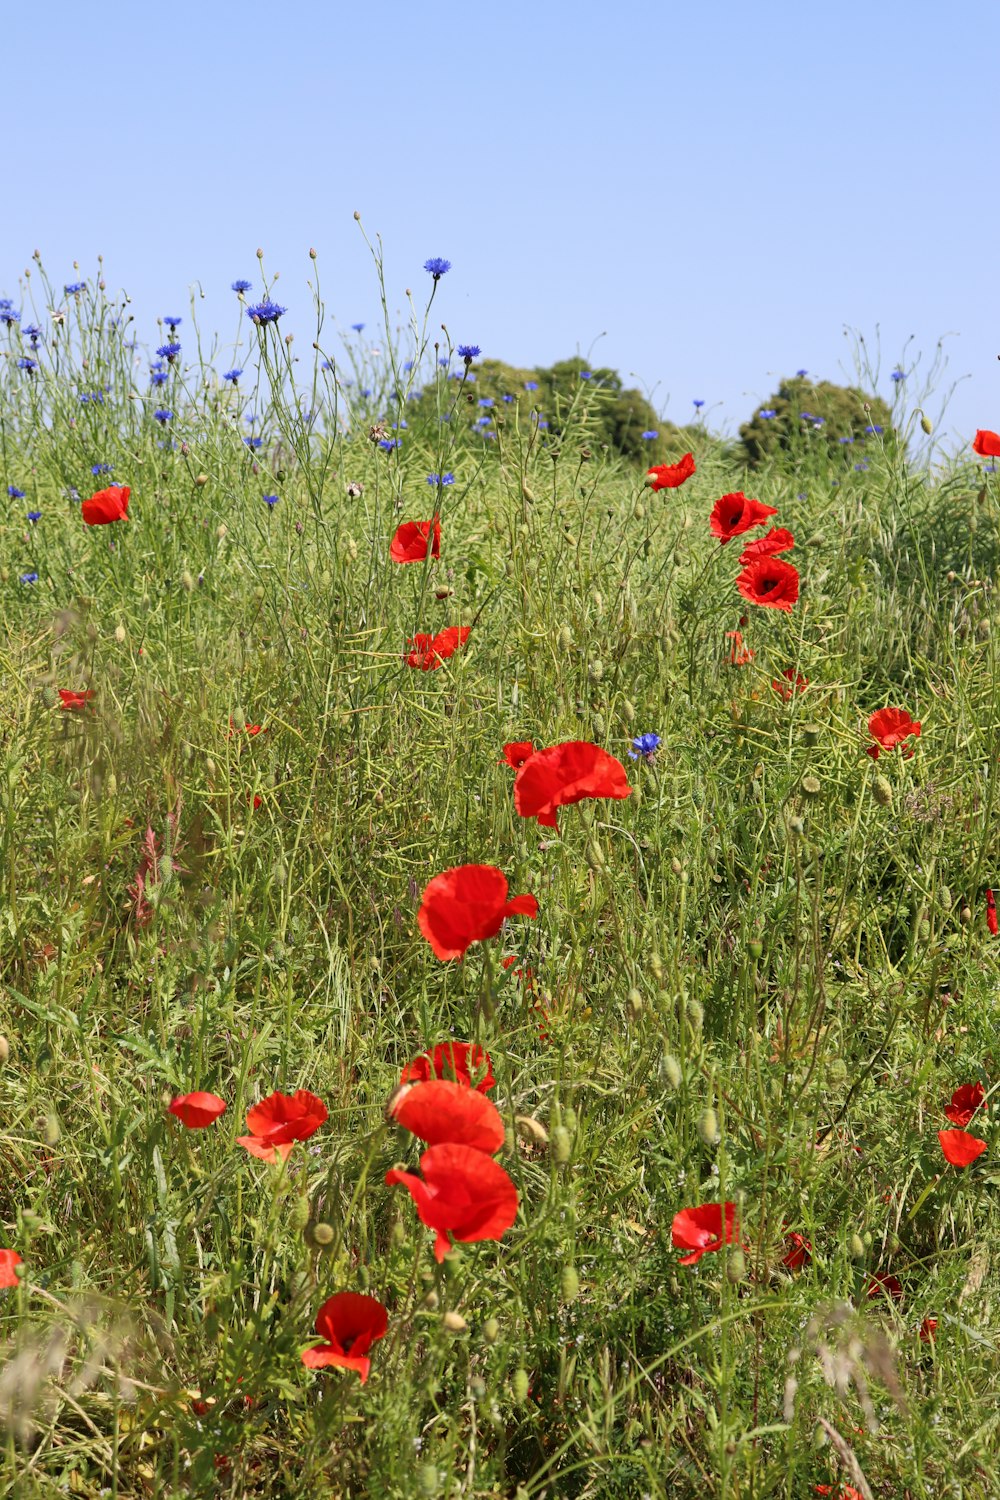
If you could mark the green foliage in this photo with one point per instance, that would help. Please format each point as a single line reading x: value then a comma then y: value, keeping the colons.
x: 834, y: 413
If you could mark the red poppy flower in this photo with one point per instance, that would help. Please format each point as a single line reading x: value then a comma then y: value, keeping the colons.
x: 799, y: 1253
x: 739, y: 654
x: 440, y: 1111
x: 429, y: 651
x: 286, y: 1117
x: 670, y: 476
x: 565, y: 774
x: 273, y: 1154
x: 75, y: 700
x: 254, y: 800
x: 964, y: 1103
x: 991, y: 914
x: 890, y: 727
x: 928, y: 1330
x: 701, y: 1230
x: 455, y: 1060
x: 734, y: 514
x: 986, y: 443
x: 106, y: 506
x: 774, y: 541
x: 8, y: 1260
x: 770, y: 581
x: 885, y: 1285
x: 467, y: 904
x: 248, y: 729
x: 794, y: 683
x: 463, y: 1192
x: 410, y: 542
x: 960, y: 1148
x: 839, y: 1491
x: 350, y: 1323
x: 516, y: 753
x: 196, y: 1111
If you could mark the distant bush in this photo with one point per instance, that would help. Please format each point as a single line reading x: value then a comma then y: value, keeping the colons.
x: 805, y: 413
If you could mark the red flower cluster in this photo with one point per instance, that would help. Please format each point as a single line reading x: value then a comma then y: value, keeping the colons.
x: 278, y: 1121
x: 703, y: 1229
x: 409, y: 544
x: 466, y: 905
x: 890, y: 727
x: 671, y: 476
x: 766, y: 580
x: 350, y: 1323
x: 462, y: 1190
x: 429, y: 651
x: 106, y: 506
x: 986, y: 443
x: 564, y: 774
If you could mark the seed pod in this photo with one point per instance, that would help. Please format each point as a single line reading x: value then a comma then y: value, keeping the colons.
x: 323, y: 1234
x: 519, y: 1386
x: 531, y: 1130
x: 4, y: 1050
x: 811, y: 786
x: 965, y: 916
x: 560, y: 1144
x: 454, y: 1322
x: 708, y: 1126
x: 882, y: 791
x: 695, y: 1014
x: 756, y: 948
x: 565, y: 638
x: 672, y: 1071
x: 430, y: 1480
x: 736, y: 1266
x: 856, y: 1246
x: 569, y: 1284
x: 491, y: 1330
x: 633, y: 1005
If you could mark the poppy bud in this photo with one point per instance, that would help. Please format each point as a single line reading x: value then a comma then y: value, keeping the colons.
x: 640, y: 511
x: 882, y: 791
x: 796, y: 825
x: 454, y: 1322
x: 944, y: 896
x: 594, y: 856
x: 736, y: 1266
x: 531, y: 1130
x: 925, y: 423
x: 200, y: 480
x: 569, y: 1284
x: 519, y: 1386
x: 491, y: 1330
x: 323, y: 1235
x: 633, y: 1005
x: 599, y: 725
x: 52, y: 1130
x: 756, y: 948
x: 430, y: 1480
x: 508, y: 1139
x: 672, y: 1071
x: 187, y: 581
x: 222, y: 531
x: 565, y: 639
x: 432, y: 1301
x: 695, y: 1014
x: 811, y: 786
x: 560, y: 1144
x: 708, y: 1126
x: 4, y: 1050
x: 656, y: 965
x: 965, y: 916
x: 856, y: 1246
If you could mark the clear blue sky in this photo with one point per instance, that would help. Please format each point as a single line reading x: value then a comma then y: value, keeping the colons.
x: 718, y: 187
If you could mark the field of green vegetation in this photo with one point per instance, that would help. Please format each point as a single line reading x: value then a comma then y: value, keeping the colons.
x: 705, y: 1237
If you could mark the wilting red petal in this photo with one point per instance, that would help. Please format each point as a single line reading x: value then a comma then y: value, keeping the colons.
x: 431, y: 650
x: 106, y: 506
x: 960, y: 1148
x: 75, y: 700
x: 991, y: 914
x: 733, y: 514
x: 986, y: 443
x: 770, y: 582
x: 440, y: 1110
x: 885, y: 1285
x: 281, y: 1118
x: 461, y: 1191
x: 799, y: 1253
x: 565, y: 774
x: 410, y: 541
x: 701, y: 1230
x: 928, y: 1330
x: 465, y: 905
x: 264, y: 1149
x: 197, y: 1110
x: 964, y: 1103
x: 670, y: 476
x: 350, y: 1323
x: 516, y: 753
x: 838, y: 1491
x: 8, y: 1260
x: 774, y: 541
x: 794, y: 683
x: 457, y: 1061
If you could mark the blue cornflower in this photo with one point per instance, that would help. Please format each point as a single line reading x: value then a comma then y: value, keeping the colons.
x: 326, y: 365
x: 86, y: 397
x: 873, y: 430
x: 357, y: 327
x: 29, y: 577
x: 407, y: 366
x: 990, y: 468
x: 586, y: 374
x: 482, y: 422
x: 896, y: 375
x: 24, y: 363
x: 697, y: 404
x: 232, y: 375
x: 169, y: 352
x: 6, y: 303
x: 819, y: 422
x: 542, y: 422
x: 802, y: 495
x: 102, y: 469
x: 397, y: 425
x: 531, y: 385
x: 14, y: 492
x: 437, y: 267
x: 159, y: 377
x: 252, y: 442
x: 366, y: 392
x: 242, y: 286
x: 251, y: 417
x: 645, y: 746
x: 652, y: 433
x: 485, y: 401
x: 32, y: 333
x: 507, y: 398
x: 74, y: 288
x: 767, y: 413
x: 173, y: 323
x: 387, y: 444
x: 806, y: 416
x: 468, y: 352
x: 163, y: 415
x: 846, y: 440
x: 265, y: 312
x: 861, y: 468
x: 800, y: 373
x: 271, y: 500
x: 441, y: 479
x: 444, y: 361
x: 34, y: 515
x: 9, y: 316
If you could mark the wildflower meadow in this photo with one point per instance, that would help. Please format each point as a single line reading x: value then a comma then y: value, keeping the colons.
x: 497, y: 942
